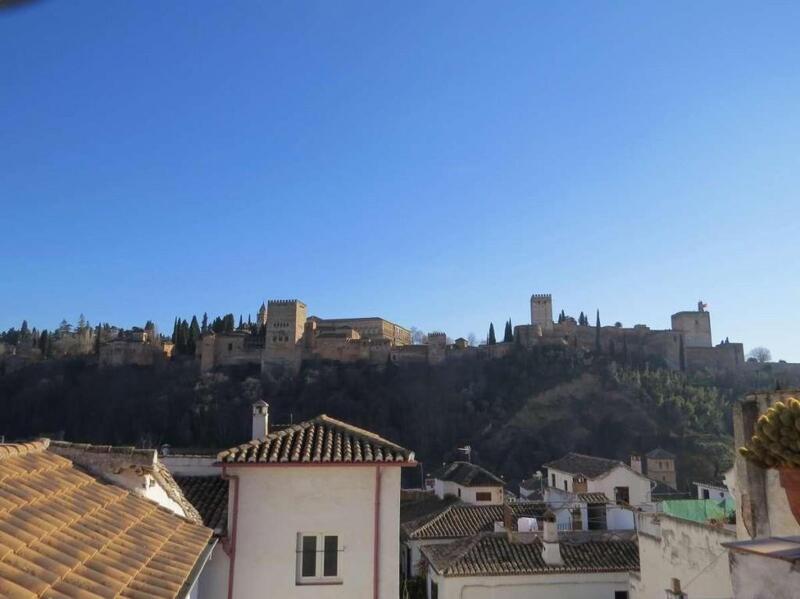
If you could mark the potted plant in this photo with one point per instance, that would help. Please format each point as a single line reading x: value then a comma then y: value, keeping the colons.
x: 776, y: 444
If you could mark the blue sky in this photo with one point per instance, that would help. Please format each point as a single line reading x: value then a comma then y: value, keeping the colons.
x: 430, y: 162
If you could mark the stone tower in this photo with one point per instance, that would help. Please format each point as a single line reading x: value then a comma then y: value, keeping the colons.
x: 286, y: 321
x: 542, y: 311
x: 695, y: 327
x: 262, y: 315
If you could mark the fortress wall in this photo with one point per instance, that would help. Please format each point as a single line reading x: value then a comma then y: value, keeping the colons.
x: 726, y: 356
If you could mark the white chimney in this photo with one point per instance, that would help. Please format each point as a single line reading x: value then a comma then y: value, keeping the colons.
x: 260, y: 419
x: 636, y: 463
x: 551, y: 550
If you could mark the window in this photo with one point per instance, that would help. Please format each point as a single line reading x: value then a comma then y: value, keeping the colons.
x: 317, y: 558
x: 459, y: 492
x: 705, y: 494
x: 434, y: 590
x: 553, y: 479
x: 620, y: 594
x: 483, y: 496
x: 230, y: 347
x: 565, y: 486
x: 622, y: 495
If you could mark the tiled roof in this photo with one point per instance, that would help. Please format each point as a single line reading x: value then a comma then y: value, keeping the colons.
x: 65, y: 534
x: 660, y: 454
x: 593, y: 497
x: 467, y: 475
x: 494, y: 554
x: 209, y: 495
x: 578, y: 463
x: 462, y: 520
x: 321, y: 440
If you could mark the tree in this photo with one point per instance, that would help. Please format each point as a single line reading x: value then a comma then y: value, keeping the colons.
x: 581, y: 319
x: 193, y: 336
x: 97, y: 340
x: 241, y: 323
x: 44, y: 343
x: 24, y: 332
x: 472, y: 340
x: 82, y: 324
x: 760, y: 354
x: 508, y: 335
x: 64, y: 328
x: 618, y: 324
x: 597, y: 332
x: 229, y: 322
x: 204, y: 325
x: 491, y: 339
x: 417, y: 336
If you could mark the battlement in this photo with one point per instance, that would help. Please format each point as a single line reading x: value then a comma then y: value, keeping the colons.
x: 542, y: 296
x: 284, y: 302
x: 437, y: 334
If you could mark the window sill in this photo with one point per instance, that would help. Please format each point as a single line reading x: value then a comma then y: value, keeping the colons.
x: 318, y: 582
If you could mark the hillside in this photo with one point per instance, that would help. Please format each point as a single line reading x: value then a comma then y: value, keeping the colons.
x: 516, y: 413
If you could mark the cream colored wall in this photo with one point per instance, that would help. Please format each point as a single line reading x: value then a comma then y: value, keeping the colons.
x: 688, y: 551
x: 276, y: 503
x: 638, y: 485
x: 467, y: 494
x: 189, y: 465
x: 599, y: 585
x: 759, y: 577
x: 213, y: 581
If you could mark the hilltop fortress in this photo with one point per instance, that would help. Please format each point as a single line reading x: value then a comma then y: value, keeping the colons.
x: 288, y: 336
x: 687, y: 345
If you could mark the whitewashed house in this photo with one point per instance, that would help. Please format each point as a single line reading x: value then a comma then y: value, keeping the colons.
x: 468, y: 482
x: 677, y: 548
x: 549, y: 565
x: 711, y: 491
x: 591, y: 493
x: 313, y: 511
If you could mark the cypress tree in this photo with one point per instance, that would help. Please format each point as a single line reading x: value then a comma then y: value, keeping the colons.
x: 97, y: 340
x: 491, y: 340
x: 241, y: 322
x: 193, y: 336
x: 204, y: 326
x: 175, y: 331
x: 228, y: 323
x: 597, y: 333
x: 508, y: 335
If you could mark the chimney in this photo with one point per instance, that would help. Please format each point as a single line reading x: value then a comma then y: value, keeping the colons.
x: 636, y: 463
x: 260, y: 419
x: 551, y: 550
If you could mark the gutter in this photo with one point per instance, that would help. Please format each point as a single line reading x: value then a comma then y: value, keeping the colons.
x: 230, y: 546
x: 376, y: 554
x: 197, y: 569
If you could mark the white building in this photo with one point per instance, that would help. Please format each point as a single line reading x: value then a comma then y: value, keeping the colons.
x: 711, y: 491
x: 591, y: 493
x: 523, y: 565
x: 677, y: 548
x: 468, y: 482
x: 313, y: 512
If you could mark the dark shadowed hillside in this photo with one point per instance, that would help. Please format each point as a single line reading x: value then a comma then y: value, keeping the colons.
x: 516, y: 412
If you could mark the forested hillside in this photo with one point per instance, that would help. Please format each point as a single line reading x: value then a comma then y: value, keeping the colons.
x: 517, y: 412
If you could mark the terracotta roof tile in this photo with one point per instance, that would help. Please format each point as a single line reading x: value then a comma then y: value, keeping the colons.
x: 578, y: 463
x: 64, y: 534
x: 209, y: 495
x: 493, y: 554
x: 323, y: 440
x: 463, y: 520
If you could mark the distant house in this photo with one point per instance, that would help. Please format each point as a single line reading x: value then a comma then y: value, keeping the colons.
x: 661, y: 467
x: 713, y: 491
x: 592, y: 493
x: 532, y: 488
x: 469, y: 482
x: 502, y: 565
x: 67, y: 533
x: 458, y: 521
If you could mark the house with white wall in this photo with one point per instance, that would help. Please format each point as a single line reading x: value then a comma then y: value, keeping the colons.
x: 689, y: 551
x: 468, y: 482
x: 313, y: 511
x: 591, y: 493
x: 547, y: 565
x: 717, y: 492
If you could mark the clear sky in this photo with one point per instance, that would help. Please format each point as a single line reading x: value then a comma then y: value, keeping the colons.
x: 430, y: 162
